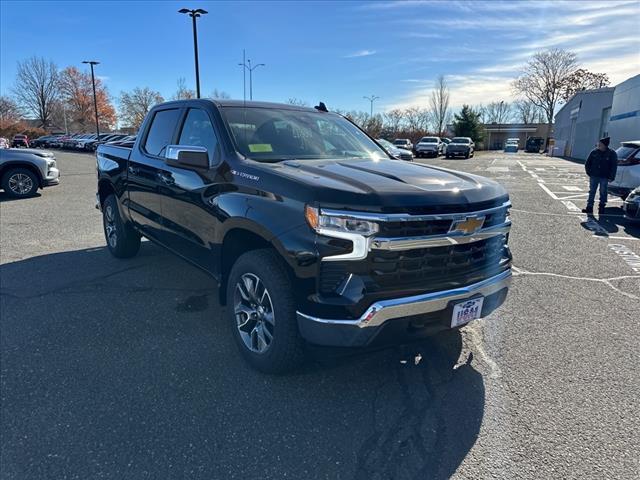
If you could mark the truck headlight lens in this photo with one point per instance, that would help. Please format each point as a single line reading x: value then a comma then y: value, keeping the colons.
x: 319, y: 221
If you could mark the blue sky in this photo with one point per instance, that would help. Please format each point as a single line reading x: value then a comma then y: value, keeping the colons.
x: 331, y: 51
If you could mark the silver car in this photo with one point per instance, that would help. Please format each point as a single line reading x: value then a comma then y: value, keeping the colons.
x: 23, y: 172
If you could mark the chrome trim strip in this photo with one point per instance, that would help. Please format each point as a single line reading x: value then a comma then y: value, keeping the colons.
x: 385, y: 310
x: 408, y: 243
x: 405, y: 217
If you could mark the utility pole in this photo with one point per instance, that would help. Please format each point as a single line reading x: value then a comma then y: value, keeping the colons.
x: 95, y: 101
x: 195, y: 14
x: 371, y: 99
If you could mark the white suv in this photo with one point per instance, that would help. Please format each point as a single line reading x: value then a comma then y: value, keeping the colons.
x: 429, y: 146
x: 628, y: 174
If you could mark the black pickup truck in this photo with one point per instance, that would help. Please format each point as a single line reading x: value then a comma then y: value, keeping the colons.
x: 313, y: 232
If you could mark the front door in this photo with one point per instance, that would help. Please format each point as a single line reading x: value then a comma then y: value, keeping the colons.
x: 188, y: 214
x: 144, y: 172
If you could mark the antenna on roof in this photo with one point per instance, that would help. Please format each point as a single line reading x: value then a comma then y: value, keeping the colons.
x: 321, y: 107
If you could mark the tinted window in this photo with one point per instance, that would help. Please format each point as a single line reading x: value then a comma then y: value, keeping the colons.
x: 198, y: 131
x: 429, y: 140
x: 460, y: 140
x: 161, y: 131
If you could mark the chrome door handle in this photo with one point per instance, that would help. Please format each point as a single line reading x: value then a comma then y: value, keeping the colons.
x: 166, y: 178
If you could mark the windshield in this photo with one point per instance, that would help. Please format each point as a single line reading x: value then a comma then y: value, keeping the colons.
x: 400, y: 141
x: 385, y: 143
x: 460, y: 140
x: 623, y: 152
x: 272, y: 134
x: 429, y: 140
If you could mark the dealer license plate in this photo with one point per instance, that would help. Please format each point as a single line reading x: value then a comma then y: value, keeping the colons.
x: 466, y: 311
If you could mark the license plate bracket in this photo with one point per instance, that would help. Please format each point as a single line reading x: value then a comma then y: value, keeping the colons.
x: 465, y: 311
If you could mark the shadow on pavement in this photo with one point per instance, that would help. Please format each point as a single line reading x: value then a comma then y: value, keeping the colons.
x: 125, y: 369
x: 6, y: 198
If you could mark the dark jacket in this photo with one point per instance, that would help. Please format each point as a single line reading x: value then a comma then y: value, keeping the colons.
x: 602, y: 164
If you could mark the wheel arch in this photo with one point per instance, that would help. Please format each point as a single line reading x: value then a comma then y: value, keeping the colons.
x: 5, y: 167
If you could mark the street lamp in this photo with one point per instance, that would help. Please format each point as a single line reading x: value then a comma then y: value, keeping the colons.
x: 95, y: 101
x: 248, y: 66
x: 372, y: 99
x: 195, y: 14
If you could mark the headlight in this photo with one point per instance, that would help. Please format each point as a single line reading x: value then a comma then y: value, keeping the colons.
x: 51, y: 164
x: 633, y: 197
x: 338, y: 223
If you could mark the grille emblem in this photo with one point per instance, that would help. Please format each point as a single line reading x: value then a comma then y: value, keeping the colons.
x: 468, y: 225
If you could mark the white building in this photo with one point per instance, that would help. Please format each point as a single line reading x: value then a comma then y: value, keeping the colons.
x: 624, y: 122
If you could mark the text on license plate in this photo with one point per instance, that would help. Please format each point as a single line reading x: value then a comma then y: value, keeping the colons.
x: 466, y: 311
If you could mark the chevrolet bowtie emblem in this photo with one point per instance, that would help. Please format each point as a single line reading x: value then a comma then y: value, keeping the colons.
x: 467, y: 226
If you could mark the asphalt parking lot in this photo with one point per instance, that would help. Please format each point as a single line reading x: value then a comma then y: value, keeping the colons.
x: 124, y: 369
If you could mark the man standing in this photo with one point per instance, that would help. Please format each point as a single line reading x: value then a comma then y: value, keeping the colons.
x: 601, y: 167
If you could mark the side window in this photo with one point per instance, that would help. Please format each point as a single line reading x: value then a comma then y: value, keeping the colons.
x: 198, y: 131
x: 161, y: 131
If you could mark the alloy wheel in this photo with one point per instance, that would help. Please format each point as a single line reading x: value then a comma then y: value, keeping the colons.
x: 254, y: 313
x: 20, y: 184
x: 110, y: 226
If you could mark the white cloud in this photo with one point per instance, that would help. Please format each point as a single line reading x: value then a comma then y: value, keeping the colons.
x: 361, y: 53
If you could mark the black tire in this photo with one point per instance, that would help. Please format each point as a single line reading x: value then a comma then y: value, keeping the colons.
x: 284, y: 351
x: 122, y: 240
x: 20, y: 183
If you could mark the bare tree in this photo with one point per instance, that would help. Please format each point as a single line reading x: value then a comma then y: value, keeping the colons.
x: 9, y: 111
x: 439, y: 105
x: 393, y: 119
x: 219, y: 94
x: 37, y: 88
x: 497, y: 112
x: 543, y: 78
x: 582, y: 79
x: 297, y: 101
x: 136, y: 104
x: 526, y: 112
x: 182, y: 92
x: 415, y: 118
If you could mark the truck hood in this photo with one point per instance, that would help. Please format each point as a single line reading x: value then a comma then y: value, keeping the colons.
x: 388, y: 185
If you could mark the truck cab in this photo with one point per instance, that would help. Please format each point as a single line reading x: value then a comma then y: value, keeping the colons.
x: 314, y: 234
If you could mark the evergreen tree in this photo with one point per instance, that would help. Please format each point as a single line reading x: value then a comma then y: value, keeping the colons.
x: 467, y: 124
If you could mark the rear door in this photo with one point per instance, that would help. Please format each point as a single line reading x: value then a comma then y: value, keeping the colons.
x: 189, y: 193
x: 144, y: 172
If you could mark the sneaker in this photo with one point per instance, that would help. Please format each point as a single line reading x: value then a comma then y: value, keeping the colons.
x: 588, y: 210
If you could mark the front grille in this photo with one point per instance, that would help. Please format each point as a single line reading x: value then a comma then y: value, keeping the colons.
x: 416, y: 228
x: 437, y: 267
x: 332, y: 274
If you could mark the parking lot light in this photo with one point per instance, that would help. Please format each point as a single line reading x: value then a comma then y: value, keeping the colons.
x: 95, y: 101
x: 195, y: 14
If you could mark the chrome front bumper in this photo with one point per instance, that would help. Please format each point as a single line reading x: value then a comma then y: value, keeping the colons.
x: 383, y: 311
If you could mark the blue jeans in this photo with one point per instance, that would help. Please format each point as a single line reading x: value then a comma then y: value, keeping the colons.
x: 595, y: 183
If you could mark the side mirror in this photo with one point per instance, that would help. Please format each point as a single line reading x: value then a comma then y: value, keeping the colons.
x: 187, y: 156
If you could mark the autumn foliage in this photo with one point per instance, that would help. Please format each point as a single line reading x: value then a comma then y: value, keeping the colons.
x: 77, y: 95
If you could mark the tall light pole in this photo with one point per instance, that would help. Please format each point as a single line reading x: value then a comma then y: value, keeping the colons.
x: 247, y: 66
x: 195, y: 14
x: 372, y: 99
x: 95, y: 101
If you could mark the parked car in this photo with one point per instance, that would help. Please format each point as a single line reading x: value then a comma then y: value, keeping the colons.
x: 628, y: 173
x: 429, y: 147
x: 399, y: 153
x: 534, y: 144
x: 460, y: 147
x: 39, y: 142
x: 113, y: 137
x: 4, y: 143
x: 81, y: 143
x: 445, y: 142
x: 92, y: 144
x: 404, y: 143
x: 313, y: 232
x: 20, y: 141
x: 511, y: 145
x: 23, y: 172
x: 631, y: 205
